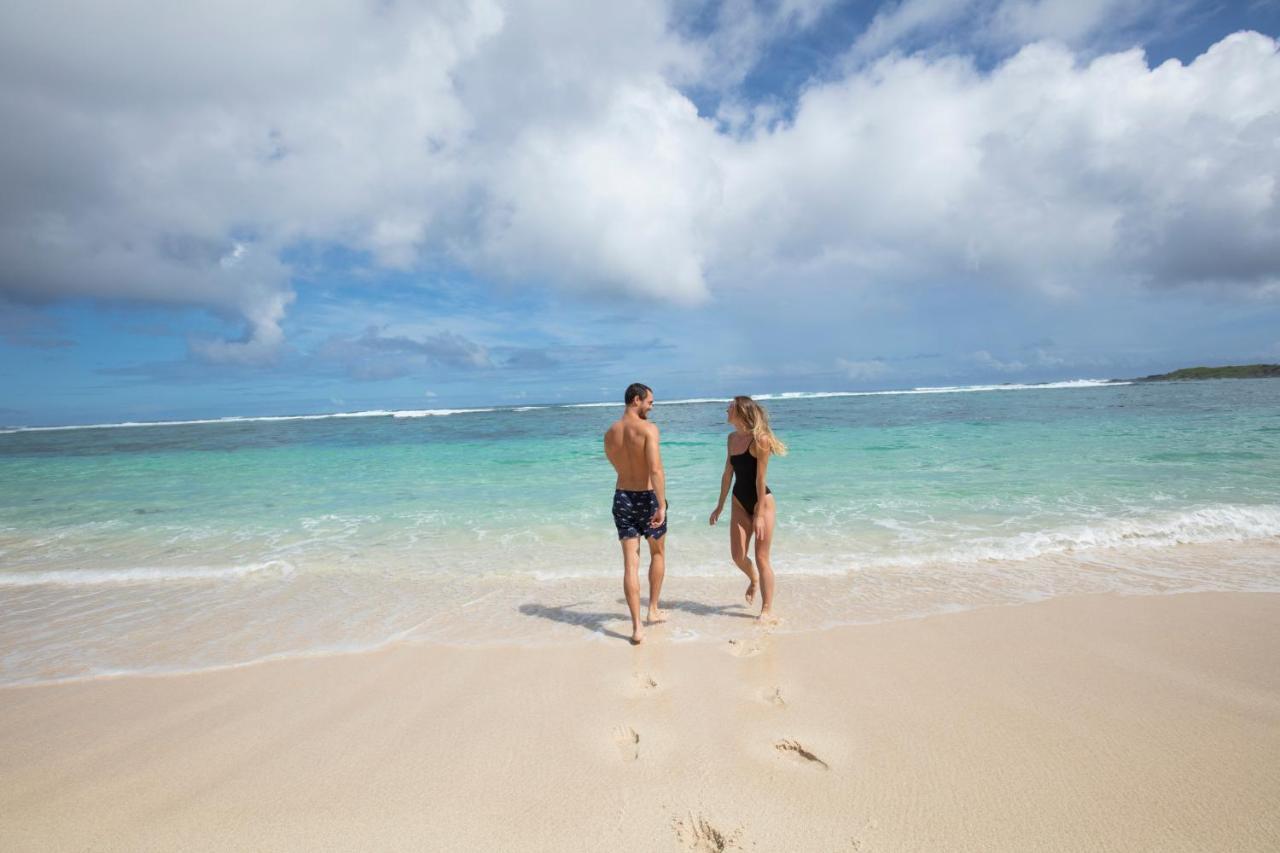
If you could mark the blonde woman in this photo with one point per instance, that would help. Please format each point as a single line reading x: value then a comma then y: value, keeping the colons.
x: 750, y: 445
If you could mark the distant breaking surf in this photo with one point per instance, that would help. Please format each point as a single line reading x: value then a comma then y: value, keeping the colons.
x: 234, y: 419
x: 425, y: 413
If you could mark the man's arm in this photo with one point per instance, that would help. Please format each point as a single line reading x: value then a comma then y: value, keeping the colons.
x: 609, y: 449
x: 653, y: 456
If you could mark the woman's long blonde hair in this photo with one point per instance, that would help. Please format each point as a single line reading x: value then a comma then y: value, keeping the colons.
x: 756, y: 420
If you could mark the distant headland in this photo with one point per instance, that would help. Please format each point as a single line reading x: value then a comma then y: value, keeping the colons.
x: 1233, y: 371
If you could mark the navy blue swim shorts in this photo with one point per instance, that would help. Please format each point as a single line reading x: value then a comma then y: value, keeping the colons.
x: 632, y: 512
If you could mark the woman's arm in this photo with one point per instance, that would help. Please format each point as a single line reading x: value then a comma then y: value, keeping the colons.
x: 725, y: 479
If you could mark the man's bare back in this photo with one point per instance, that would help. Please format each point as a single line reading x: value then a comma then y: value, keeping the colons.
x: 626, y: 443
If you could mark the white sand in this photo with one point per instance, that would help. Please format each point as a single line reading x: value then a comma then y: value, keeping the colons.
x: 1095, y: 723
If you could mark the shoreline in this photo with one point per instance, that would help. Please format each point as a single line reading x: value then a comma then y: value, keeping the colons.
x: 1098, y: 722
x: 501, y: 613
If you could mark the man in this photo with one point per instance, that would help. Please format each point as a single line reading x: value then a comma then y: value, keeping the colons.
x: 639, y: 501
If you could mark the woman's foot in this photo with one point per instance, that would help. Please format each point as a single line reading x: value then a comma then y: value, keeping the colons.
x: 656, y: 616
x: 751, y: 591
x: 766, y: 617
x: 637, y: 637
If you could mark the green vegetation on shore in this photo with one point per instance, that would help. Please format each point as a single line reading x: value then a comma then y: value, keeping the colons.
x: 1233, y: 371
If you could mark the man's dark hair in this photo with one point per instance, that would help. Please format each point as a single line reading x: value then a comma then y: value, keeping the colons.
x: 636, y: 390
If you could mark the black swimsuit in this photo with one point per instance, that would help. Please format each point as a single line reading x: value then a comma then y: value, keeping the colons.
x: 744, y: 479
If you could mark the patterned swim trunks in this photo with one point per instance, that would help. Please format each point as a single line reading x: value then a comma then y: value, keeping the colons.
x: 632, y: 512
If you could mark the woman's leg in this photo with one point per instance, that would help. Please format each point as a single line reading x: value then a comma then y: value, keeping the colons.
x: 739, y: 537
x: 763, y: 545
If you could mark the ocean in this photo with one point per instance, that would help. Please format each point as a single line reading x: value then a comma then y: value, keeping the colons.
x: 175, y: 547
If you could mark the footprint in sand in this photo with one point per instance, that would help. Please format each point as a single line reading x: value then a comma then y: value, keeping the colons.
x: 859, y: 842
x: 744, y: 648
x: 698, y: 835
x: 774, y: 697
x: 628, y: 742
x: 645, y: 682
x: 794, y: 750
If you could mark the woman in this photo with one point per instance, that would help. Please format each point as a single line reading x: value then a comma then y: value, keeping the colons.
x: 750, y: 445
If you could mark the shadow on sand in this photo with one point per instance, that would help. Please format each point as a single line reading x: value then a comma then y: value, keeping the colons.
x: 697, y: 608
x: 565, y: 613
x: 595, y: 622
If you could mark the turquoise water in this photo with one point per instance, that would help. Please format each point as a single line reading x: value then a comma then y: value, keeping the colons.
x: 187, y: 545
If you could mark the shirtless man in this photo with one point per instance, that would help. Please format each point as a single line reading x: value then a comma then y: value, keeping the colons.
x: 639, y: 501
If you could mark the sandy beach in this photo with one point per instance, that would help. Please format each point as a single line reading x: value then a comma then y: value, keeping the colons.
x: 1090, y: 723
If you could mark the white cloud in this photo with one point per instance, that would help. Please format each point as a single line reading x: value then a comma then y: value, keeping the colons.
x: 907, y: 17
x: 1045, y: 172
x: 1072, y: 21
x: 172, y: 155
x: 617, y: 204
x: 986, y: 359
x: 263, y: 335
x: 862, y: 369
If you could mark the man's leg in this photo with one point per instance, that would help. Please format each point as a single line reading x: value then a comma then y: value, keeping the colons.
x: 631, y: 584
x: 657, y: 571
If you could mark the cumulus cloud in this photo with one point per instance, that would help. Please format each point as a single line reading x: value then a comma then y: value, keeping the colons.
x: 1045, y: 172
x: 176, y: 155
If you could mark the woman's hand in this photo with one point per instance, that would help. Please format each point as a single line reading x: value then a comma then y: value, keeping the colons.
x: 758, y: 525
x: 715, y: 514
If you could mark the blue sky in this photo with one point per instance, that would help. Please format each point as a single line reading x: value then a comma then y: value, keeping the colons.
x: 332, y: 207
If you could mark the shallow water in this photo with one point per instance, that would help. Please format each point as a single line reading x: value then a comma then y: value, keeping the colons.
x: 184, y: 546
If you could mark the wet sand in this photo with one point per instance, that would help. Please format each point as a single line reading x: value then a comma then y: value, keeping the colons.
x: 1088, y: 723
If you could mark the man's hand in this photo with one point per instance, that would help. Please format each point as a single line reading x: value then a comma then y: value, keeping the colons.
x: 658, y: 517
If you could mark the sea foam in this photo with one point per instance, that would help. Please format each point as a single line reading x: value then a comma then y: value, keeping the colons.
x: 99, y: 577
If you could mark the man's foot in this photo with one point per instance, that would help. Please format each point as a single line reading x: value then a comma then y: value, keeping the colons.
x: 637, y: 637
x: 751, y: 591
x: 656, y: 616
